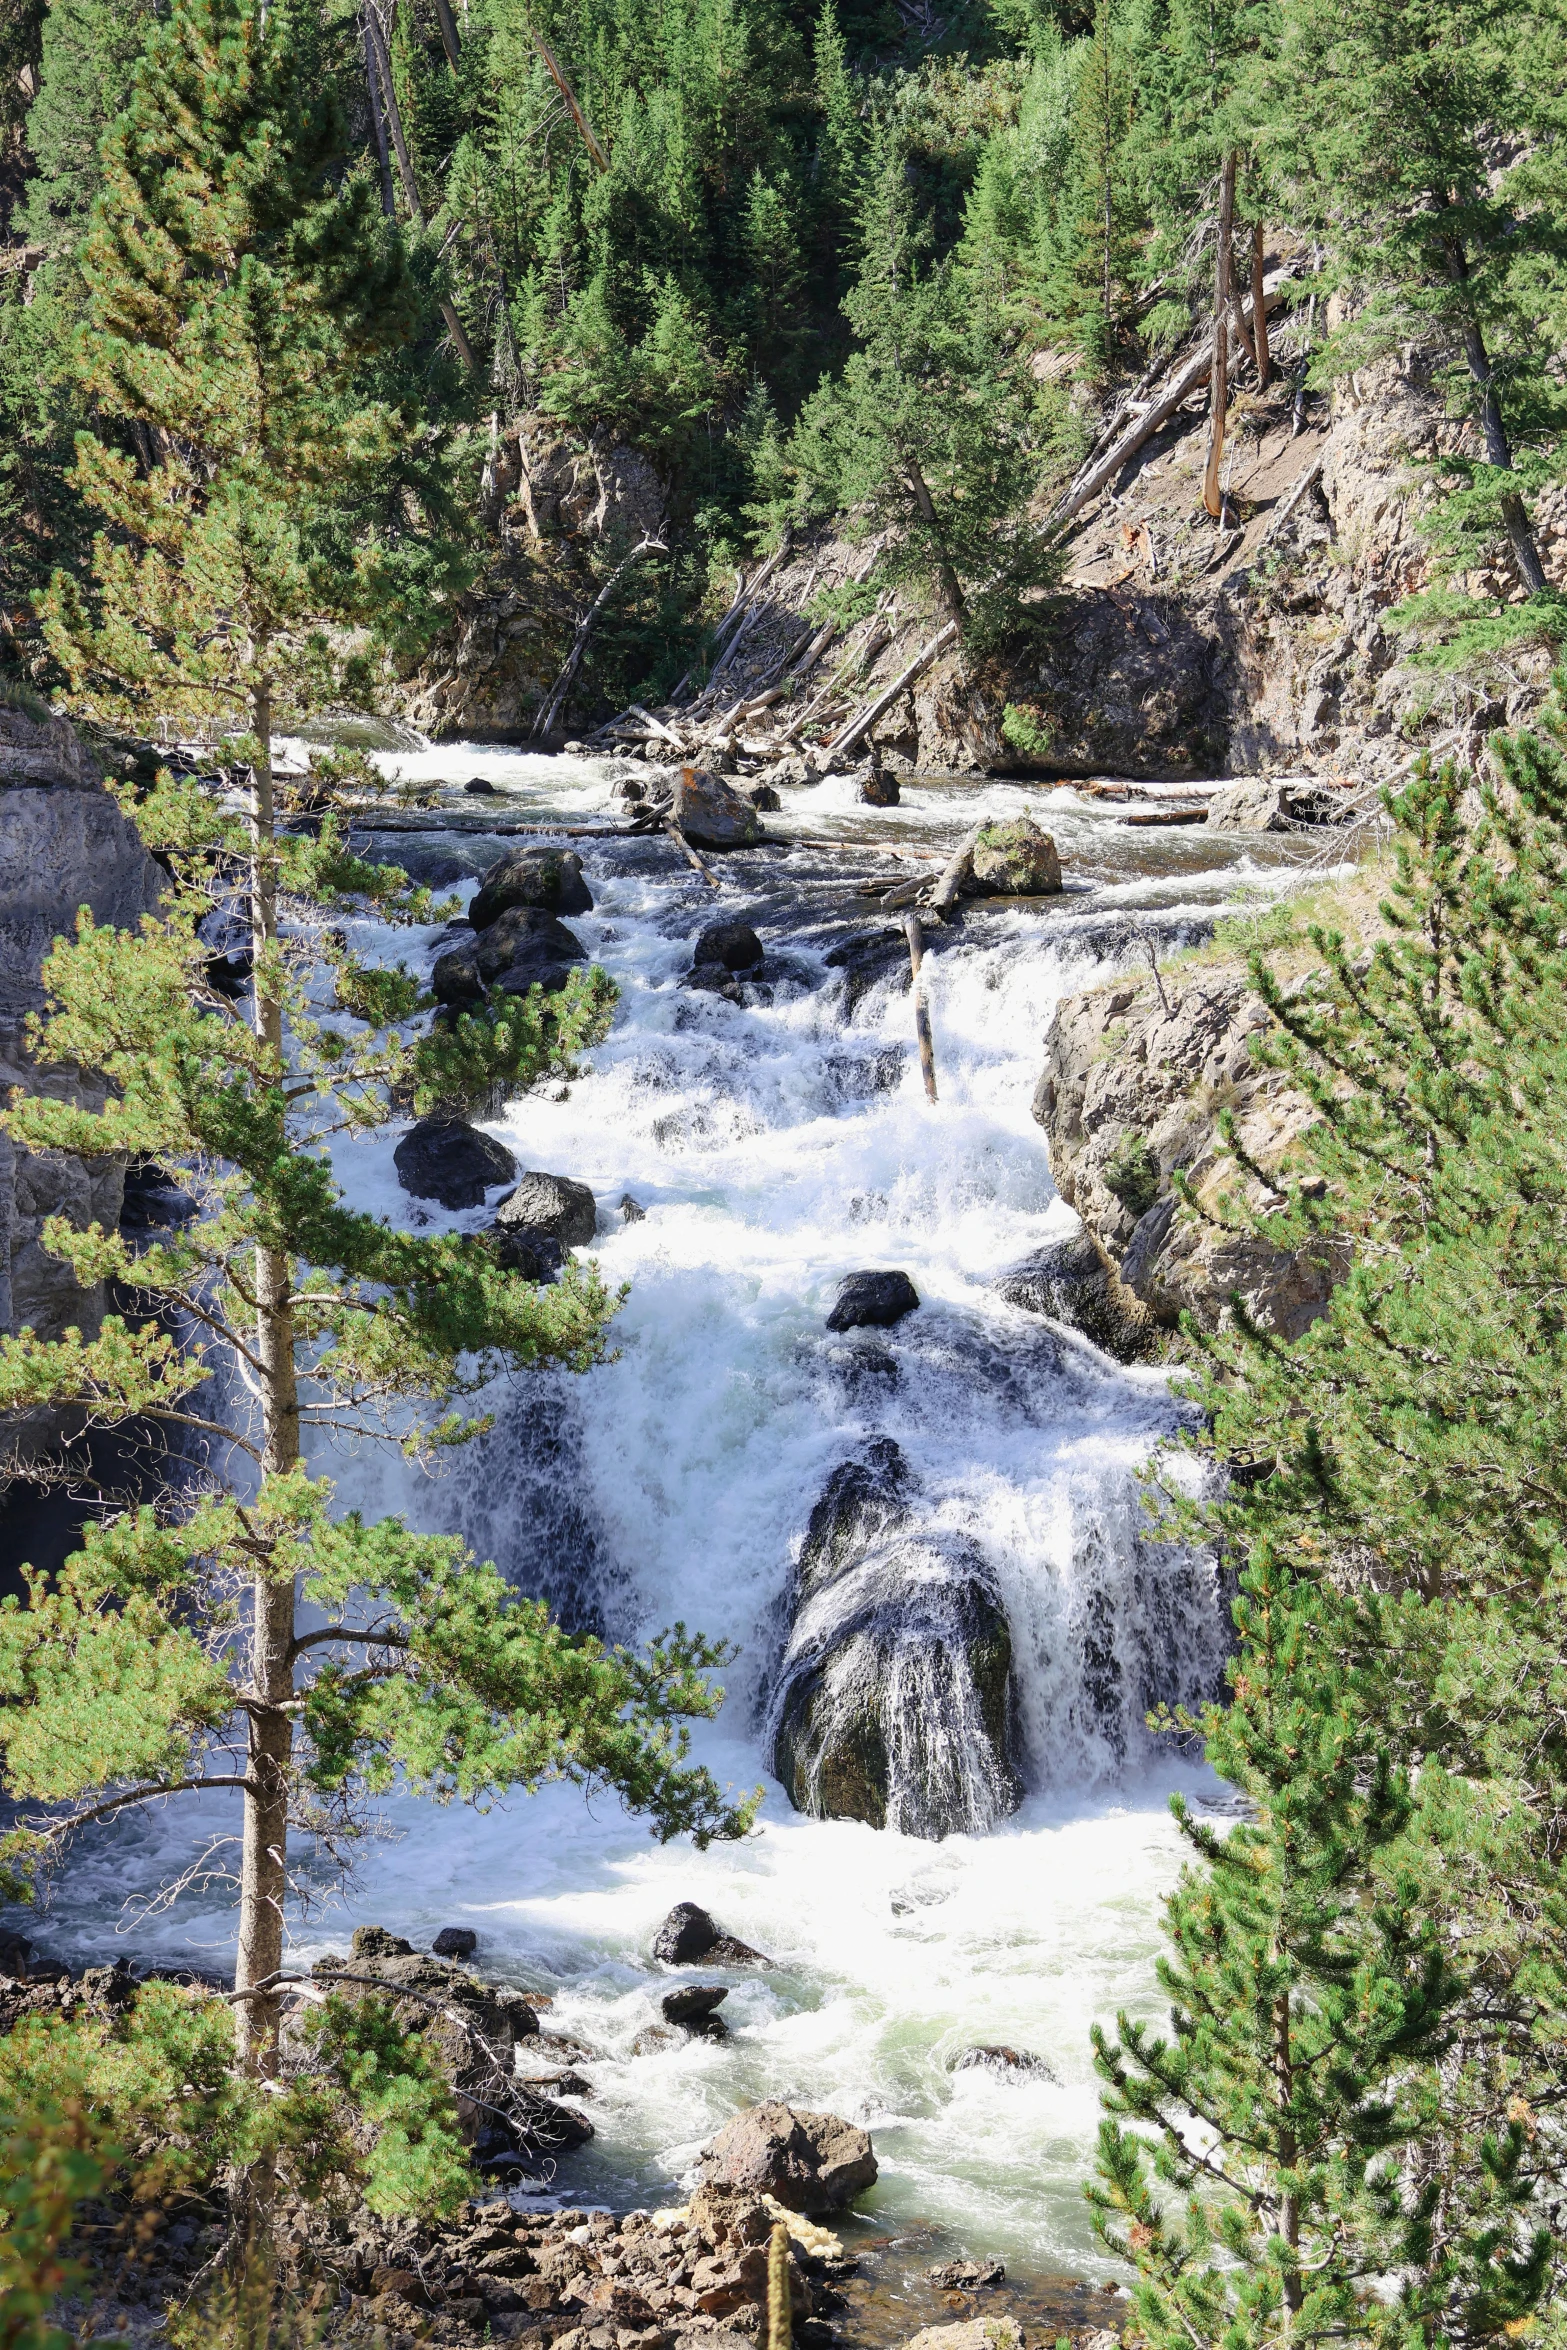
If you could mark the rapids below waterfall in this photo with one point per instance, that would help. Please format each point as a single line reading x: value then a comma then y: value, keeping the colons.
x: 775, y: 1146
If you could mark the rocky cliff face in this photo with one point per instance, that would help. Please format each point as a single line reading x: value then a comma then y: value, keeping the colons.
x: 1173, y: 649
x: 63, y: 844
x: 1133, y: 1087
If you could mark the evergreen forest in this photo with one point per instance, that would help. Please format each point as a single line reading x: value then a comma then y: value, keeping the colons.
x: 277, y: 280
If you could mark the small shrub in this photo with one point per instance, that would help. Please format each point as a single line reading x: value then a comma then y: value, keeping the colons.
x: 1132, y: 1174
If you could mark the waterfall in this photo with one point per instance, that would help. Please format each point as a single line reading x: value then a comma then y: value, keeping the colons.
x: 933, y: 1533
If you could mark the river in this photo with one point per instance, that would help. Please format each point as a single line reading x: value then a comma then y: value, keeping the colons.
x: 775, y: 1146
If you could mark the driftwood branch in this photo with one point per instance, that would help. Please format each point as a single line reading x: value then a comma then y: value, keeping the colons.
x: 900, y: 684
x: 958, y: 869
x: 555, y: 700
x: 1301, y: 490
x: 677, y: 835
x: 916, y: 938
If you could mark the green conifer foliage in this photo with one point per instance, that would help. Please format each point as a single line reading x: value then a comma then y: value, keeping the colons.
x: 932, y: 432
x: 1426, y: 140
x: 237, y: 279
x: 1399, y: 1701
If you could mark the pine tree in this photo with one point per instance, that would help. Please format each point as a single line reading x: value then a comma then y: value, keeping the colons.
x: 1402, y: 1517
x: 931, y: 432
x: 237, y: 278
x: 1390, y: 123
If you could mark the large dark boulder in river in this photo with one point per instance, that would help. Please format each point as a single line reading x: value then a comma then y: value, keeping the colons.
x: 873, y: 1300
x: 692, y: 2004
x: 688, y: 1934
x: 894, y: 1704
x: 711, y: 814
x: 555, y: 1205
x: 808, y: 2162
x: 519, y: 948
x: 550, y: 878
x: 734, y: 945
x: 448, y: 1160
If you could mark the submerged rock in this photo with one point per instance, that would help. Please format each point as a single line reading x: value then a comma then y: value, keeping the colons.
x: 1016, y: 859
x: 873, y: 1300
x: 448, y: 1160
x: 960, y: 2276
x: 693, y: 2004
x: 733, y: 945
x: 894, y: 1704
x: 549, y: 878
x: 521, y: 947
x: 995, y: 2058
x: 809, y: 2162
x: 711, y: 814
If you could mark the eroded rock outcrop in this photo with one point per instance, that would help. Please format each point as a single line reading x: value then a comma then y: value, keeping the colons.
x: 63, y: 844
x: 1132, y: 1091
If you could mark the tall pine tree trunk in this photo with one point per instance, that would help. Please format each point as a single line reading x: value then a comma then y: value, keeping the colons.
x: 264, y: 1859
x: 1259, y: 312
x: 1498, y: 450
x: 1212, y: 495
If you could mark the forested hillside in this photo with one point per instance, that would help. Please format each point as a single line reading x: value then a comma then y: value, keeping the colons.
x: 889, y: 263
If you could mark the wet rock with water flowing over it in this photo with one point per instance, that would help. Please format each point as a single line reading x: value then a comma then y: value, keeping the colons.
x: 1071, y: 1282
x: 695, y: 2005
x: 711, y: 814
x: 523, y: 947
x: 873, y: 1300
x: 732, y: 945
x: 447, y: 1160
x: 808, y: 2162
x: 894, y: 1701
x: 1016, y: 860
x: 547, y: 878
x: 995, y: 2057
x: 540, y: 1221
x: 689, y: 1934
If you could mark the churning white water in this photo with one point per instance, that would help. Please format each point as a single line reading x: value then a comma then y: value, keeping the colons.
x: 776, y: 1146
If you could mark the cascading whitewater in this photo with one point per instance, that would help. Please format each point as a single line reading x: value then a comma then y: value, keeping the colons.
x: 776, y: 1145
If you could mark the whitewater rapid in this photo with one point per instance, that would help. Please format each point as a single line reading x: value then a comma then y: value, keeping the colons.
x: 774, y: 1147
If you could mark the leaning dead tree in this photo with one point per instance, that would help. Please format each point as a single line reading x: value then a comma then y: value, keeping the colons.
x: 554, y: 701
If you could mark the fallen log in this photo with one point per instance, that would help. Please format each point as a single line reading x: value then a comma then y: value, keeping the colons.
x: 1179, y: 389
x: 635, y: 710
x: 1167, y: 816
x: 675, y: 834
x: 900, y: 684
x: 916, y: 939
x: 959, y: 869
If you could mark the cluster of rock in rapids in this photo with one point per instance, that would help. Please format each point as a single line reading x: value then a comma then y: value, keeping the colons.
x: 692, y: 2277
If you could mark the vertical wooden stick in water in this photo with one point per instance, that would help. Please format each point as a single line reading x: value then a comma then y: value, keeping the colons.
x: 916, y: 938
x: 780, y: 2329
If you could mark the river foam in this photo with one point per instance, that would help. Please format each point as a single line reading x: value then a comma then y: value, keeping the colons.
x: 774, y: 1147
